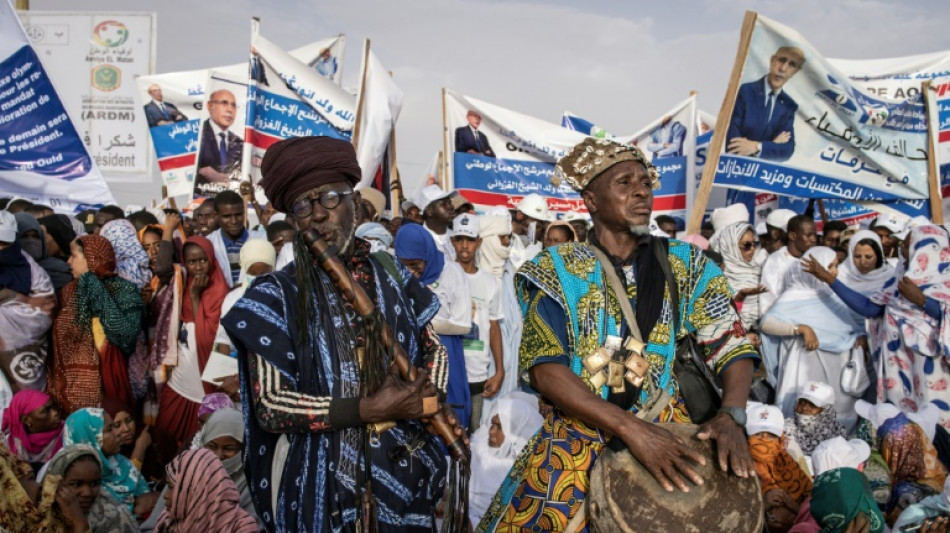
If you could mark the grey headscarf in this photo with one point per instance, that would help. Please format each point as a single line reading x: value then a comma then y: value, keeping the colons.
x: 230, y: 423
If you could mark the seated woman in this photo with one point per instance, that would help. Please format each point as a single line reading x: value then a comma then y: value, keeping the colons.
x: 133, y: 445
x: 870, y: 418
x: 120, y: 478
x: 514, y: 419
x: 201, y: 497
x: 931, y: 514
x: 27, y: 506
x: 809, y: 332
x: 915, y: 470
x: 80, y: 470
x: 223, y: 435
x: 814, y: 420
x: 829, y: 455
x: 33, y: 428
x: 842, y: 501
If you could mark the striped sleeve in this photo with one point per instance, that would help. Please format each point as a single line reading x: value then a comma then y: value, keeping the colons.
x: 436, y: 358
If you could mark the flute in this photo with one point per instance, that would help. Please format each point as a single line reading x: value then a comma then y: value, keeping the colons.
x: 325, y: 256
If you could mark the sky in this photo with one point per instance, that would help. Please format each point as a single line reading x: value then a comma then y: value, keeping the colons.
x: 620, y: 64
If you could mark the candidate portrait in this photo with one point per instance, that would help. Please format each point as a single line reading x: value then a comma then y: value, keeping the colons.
x: 468, y: 139
x: 158, y: 112
x: 220, y: 151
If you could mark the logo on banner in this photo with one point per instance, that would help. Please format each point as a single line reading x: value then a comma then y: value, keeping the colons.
x: 106, y: 78
x: 110, y: 34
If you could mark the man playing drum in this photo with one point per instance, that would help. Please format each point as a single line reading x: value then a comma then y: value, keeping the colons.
x: 580, y: 353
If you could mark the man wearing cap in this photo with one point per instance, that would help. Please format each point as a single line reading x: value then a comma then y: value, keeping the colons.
x: 437, y: 214
x: 801, y: 236
x: 567, y: 348
x: 579, y: 222
x: 483, y: 345
x: 302, y: 351
x: 886, y: 227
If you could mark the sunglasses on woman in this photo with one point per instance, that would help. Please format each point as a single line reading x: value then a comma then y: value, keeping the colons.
x: 746, y: 246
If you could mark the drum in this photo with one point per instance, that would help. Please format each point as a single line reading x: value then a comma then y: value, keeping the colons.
x: 625, y: 497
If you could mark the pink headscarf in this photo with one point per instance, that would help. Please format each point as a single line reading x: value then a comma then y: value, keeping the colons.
x: 19, y: 440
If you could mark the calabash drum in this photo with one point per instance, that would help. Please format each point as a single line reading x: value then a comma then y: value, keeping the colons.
x: 625, y: 497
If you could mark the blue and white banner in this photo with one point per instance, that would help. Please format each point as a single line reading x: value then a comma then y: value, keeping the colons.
x: 287, y: 98
x: 938, y: 110
x: 174, y: 104
x: 800, y: 127
x: 497, y: 156
x: 42, y: 156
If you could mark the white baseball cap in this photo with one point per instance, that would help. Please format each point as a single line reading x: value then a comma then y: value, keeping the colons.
x: 724, y: 216
x: 818, y: 393
x: 780, y: 217
x: 7, y: 227
x: 465, y: 225
x: 572, y: 216
x: 891, y: 221
x: 915, y: 222
x: 876, y: 413
x: 765, y: 418
x: 535, y: 206
x: 761, y: 229
x: 839, y: 453
x: 927, y: 417
x: 429, y: 194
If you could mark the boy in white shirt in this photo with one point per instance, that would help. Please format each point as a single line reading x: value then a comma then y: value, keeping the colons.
x: 484, y: 342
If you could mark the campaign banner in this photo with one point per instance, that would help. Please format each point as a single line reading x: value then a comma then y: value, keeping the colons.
x: 938, y: 110
x: 287, y: 98
x: 98, y: 56
x: 174, y: 102
x: 497, y: 156
x: 221, y: 136
x: 42, y: 155
x: 380, y: 101
x: 800, y: 127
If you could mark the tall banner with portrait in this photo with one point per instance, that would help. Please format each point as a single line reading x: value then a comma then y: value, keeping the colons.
x: 221, y: 135
x: 174, y: 102
x: 794, y: 124
x: 670, y: 143
x: 287, y: 98
x: 42, y: 156
x: 98, y: 57
x: 496, y: 156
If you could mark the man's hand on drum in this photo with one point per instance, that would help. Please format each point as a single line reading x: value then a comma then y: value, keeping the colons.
x: 666, y: 456
x: 731, y: 445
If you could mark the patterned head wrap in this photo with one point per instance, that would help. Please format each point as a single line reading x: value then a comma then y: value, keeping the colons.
x: 592, y: 157
x: 131, y: 259
x: 100, y: 257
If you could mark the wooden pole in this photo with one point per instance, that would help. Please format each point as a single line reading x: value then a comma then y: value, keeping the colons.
x: 719, y: 135
x: 359, y: 105
x: 23, y: 5
x: 936, y: 202
x: 444, y: 178
x: 395, y: 184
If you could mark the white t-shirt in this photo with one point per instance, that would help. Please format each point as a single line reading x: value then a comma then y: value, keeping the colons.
x: 454, y: 296
x: 185, y: 379
x: 486, y: 306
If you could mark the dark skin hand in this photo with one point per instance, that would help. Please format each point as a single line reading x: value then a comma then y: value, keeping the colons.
x: 200, y: 282
x: 68, y: 503
x: 940, y: 524
x: 912, y: 292
x: 814, y: 268
x: 396, y: 399
x: 749, y: 291
x: 231, y: 386
x: 860, y: 524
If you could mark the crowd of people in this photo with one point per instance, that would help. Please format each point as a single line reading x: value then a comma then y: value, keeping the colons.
x: 182, y: 371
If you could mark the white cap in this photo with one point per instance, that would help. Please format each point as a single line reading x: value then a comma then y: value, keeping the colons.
x: 465, y: 225
x: 839, y: 453
x: 818, y: 393
x: 7, y: 227
x: 277, y: 217
x: 406, y: 205
x: 876, y: 413
x: 535, y: 206
x: 892, y: 221
x: 724, y: 216
x: 572, y: 216
x: 765, y: 418
x: 374, y: 197
x: 927, y: 417
x: 761, y: 229
x: 780, y: 217
x: 915, y: 222
x: 429, y: 194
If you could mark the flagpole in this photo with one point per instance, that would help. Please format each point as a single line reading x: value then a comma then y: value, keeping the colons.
x: 395, y: 184
x: 719, y: 135
x: 444, y: 178
x: 359, y: 105
x: 936, y: 203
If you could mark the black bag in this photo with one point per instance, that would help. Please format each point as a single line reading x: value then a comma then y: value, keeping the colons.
x: 700, y: 388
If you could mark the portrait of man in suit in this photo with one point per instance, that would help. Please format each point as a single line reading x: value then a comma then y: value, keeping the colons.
x: 468, y: 139
x: 220, y: 151
x: 158, y: 112
x: 762, y: 119
x: 667, y: 140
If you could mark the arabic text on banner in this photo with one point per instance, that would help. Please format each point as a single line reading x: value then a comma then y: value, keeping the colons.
x: 800, y: 127
x: 42, y: 157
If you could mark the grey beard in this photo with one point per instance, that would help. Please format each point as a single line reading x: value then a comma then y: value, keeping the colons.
x: 640, y: 230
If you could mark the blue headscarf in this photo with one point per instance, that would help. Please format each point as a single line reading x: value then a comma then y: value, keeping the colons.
x: 414, y: 242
